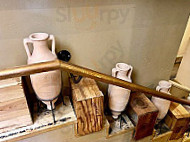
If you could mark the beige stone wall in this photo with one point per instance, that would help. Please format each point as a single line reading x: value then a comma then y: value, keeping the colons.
x: 143, y: 33
x: 185, y: 40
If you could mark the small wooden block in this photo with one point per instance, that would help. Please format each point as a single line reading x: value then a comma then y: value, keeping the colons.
x: 143, y: 113
x: 88, y: 103
x: 14, y: 112
x: 177, y: 120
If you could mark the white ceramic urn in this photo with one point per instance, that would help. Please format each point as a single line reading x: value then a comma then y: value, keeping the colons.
x: 47, y: 85
x: 162, y: 104
x: 118, y: 96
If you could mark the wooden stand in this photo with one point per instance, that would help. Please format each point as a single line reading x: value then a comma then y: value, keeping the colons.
x: 14, y: 112
x: 177, y: 120
x: 88, y: 104
x: 43, y: 124
x: 143, y: 113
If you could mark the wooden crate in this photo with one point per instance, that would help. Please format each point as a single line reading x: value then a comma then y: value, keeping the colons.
x: 143, y: 113
x: 179, y: 90
x: 88, y: 104
x: 118, y: 127
x: 177, y: 120
x: 163, y: 137
x: 43, y: 128
x: 14, y: 112
x: 161, y: 133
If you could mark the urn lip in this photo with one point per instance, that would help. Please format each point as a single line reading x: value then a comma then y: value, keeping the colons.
x: 123, y: 66
x: 39, y: 36
x: 165, y: 84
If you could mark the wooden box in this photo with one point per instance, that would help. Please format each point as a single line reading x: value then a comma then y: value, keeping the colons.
x: 14, y: 110
x: 177, y: 120
x: 161, y: 133
x: 118, y: 127
x: 163, y: 137
x: 143, y: 113
x: 88, y: 104
x: 179, y: 90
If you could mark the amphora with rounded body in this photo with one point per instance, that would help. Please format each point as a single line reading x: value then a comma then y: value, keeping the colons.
x: 162, y: 104
x: 118, y: 96
x: 47, y: 85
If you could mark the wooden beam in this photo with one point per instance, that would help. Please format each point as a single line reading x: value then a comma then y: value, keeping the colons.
x: 29, y: 69
x: 57, y: 64
x: 115, y: 81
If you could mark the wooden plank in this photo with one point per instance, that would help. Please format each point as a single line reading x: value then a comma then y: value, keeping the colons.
x: 11, y: 93
x: 16, y: 122
x: 13, y: 109
x: 10, y: 82
x: 12, y: 105
x: 43, y: 123
x: 14, y: 112
x: 163, y: 137
x: 143, y: 113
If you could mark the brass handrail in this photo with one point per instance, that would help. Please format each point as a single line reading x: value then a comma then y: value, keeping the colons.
x: 58, y: 64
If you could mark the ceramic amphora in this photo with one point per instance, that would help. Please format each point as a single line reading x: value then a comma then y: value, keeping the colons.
x: 118, y: 96
x: 162, y: 104
x: 47, y: 85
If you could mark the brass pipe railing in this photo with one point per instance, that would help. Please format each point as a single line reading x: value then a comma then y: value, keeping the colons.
x: 57, y: 64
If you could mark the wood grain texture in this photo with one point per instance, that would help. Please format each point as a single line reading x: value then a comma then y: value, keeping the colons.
x: 179, y: 90
x: 43, y: 123
x: 177, y: 120
x: 10, y: 82
x: 11, y: 93
x: 143, y: 113
x: 13, y: 108
x: 14, y: 112
x: 162, y: 137
x: 88, y: 104
x: 179, y: 111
